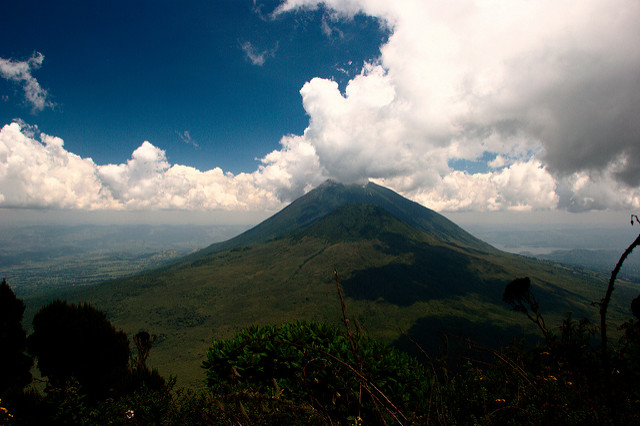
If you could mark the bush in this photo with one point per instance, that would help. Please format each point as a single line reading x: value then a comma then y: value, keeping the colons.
x: 15, y: 365
x: 77, y: 342
x: 566, y: 380
x: 314, y: 365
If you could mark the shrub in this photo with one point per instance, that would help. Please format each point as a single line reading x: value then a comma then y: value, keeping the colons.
x: 313, y: 364
x: 77, y: 342
x: 15, y: 365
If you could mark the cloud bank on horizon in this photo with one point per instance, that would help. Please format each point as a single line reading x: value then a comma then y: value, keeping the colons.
x: 545, y: 96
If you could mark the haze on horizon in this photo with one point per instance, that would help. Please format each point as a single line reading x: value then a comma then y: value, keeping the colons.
x: 513, y: 111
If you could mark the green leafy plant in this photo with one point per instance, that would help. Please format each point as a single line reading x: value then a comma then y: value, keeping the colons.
x: 313, y: 363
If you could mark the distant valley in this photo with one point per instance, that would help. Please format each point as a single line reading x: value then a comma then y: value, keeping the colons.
x: 580, y: 246
x: 41, y: 258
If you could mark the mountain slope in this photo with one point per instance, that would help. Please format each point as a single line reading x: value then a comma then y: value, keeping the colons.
x: 330, y: 195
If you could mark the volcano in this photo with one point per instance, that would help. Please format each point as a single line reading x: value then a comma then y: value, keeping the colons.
x: 405, y: 270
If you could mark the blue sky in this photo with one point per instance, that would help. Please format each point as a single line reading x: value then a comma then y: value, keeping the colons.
x: 124, y: 72
x: 236, y: 106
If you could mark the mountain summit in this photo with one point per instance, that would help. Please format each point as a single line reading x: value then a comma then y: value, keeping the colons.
x: 327, y: 197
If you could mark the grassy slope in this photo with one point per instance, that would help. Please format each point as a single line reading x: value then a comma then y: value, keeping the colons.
x: 415, y: 283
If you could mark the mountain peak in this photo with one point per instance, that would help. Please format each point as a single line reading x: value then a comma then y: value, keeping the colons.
x: 330, y: 195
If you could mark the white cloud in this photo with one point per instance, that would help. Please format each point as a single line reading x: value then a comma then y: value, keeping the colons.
x: 549, y: 88
x: 330, y: 30
x: 42, y: 174
x: 523, y: 186
x: 257, y: 57
x: 497, y: 162
x: 584, y: 191
x: 291, y: 171
x: 186, y: 138
x: 20, y: 72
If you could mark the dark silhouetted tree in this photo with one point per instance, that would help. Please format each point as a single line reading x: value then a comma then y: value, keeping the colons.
x: 635, y: 307
x: 140, y: 373
x: 604, y: 303
x: 15, y: 365
x: 518, y: 294
x: 143, y: 341
x: 78, y: 342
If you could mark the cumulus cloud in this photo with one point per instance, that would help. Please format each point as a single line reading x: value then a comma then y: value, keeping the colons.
x: 37, y: 172
x: 291, y: 171
x: 584, y: 191
x: 20, y: 72
x: 549, y: 89
x: 523, y: 186
x: 40, y: 173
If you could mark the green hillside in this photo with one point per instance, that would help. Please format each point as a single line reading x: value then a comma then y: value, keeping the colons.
x: 395, y: 276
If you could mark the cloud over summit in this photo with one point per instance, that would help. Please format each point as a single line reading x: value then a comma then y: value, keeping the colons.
x: 554, y: 86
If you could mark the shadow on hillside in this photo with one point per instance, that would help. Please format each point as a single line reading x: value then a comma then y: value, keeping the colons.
x: 435, y: 272
x: 431, y: 333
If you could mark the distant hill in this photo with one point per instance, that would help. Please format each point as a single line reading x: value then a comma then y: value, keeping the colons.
x: 597, y: 260
x: 404, y: 268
